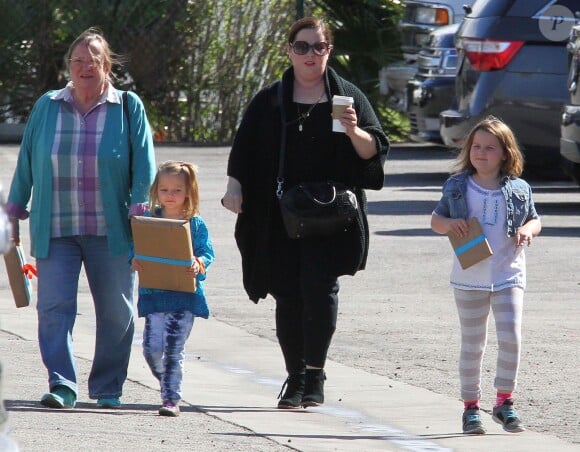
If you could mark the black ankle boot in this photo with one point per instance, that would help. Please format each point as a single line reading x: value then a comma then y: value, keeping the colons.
x: 314, y: 388
x: 292, y: 397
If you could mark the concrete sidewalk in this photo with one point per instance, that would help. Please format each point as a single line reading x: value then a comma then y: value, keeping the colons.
x: 396, y: 321
x: 231, y: 382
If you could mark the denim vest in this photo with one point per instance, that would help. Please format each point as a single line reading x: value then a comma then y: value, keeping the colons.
x: 517, y: 193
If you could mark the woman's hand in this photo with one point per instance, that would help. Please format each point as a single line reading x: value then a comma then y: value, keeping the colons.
x: 232, y: 199
x: 348, y: 120
x: 363, y: 142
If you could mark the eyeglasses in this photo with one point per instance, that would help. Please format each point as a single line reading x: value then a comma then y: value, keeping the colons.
x: 302, y: 48
x: 95, y: 62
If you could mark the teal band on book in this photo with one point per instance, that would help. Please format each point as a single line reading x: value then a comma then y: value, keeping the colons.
x: 477, y: 240
x: 163, y: 260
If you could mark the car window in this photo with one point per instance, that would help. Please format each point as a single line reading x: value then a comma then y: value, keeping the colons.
x: 519, y: 8
x: 529, y: 8
x: 485, y: 8
x: 572, y: 5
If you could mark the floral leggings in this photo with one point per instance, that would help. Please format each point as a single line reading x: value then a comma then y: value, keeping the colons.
x: 473, y: 307
x: 164, y: 340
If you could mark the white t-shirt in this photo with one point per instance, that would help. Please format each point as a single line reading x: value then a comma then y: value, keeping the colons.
x: 507, y: 266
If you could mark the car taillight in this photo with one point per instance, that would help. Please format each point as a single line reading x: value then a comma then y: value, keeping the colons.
x: 489, y: 55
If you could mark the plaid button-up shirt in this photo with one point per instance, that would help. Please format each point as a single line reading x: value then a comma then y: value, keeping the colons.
x: 77, y: 203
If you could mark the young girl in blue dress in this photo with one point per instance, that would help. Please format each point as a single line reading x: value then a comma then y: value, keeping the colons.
x: 486, y: 185
x: 169, y: 315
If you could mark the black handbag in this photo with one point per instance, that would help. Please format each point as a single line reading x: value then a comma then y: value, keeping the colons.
x: 313, y: 209
x: 317, y: 209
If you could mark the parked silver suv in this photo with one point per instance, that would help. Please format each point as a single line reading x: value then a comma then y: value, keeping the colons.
x: 432, y: 89
x: 420, y: 18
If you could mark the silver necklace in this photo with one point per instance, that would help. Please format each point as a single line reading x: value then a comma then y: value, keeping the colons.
x: 303, y: 116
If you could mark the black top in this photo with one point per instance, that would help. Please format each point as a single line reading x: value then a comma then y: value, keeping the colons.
x: 309, y: 153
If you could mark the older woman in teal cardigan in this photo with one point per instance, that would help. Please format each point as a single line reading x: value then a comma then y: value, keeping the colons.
x: 87, y: 161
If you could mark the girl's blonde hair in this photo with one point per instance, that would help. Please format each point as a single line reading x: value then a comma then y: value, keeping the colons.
x: 189, y: 172
x: 512, y: 166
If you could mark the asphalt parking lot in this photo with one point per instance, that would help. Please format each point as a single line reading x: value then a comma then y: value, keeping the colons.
x: 397, y: 318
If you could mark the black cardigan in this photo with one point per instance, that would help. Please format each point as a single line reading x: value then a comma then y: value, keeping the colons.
x: 253, y: 161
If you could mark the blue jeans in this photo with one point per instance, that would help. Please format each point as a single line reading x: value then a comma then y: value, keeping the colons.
x: 111, y: 283
x: 164, y: 338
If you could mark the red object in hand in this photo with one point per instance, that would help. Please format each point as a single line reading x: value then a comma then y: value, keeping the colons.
x: 29, y: 270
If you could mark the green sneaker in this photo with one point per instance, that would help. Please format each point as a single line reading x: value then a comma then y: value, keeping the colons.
x: 59, y: 397
x: 508, y: 417
x: 472, y: 422
x: 109, y: 402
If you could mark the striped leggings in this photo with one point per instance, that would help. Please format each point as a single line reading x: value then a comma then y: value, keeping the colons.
x: 473, y: 307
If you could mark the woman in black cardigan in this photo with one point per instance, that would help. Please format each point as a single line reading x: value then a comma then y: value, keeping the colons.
x: 302, y: 275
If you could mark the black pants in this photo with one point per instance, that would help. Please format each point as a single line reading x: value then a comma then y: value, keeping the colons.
x: 306, y: 295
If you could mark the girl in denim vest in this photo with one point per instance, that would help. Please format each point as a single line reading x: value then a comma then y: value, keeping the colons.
x: 485, y: 185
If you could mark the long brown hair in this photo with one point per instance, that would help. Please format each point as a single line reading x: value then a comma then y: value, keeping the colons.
x: 513, y: 165
x: 189, y: 171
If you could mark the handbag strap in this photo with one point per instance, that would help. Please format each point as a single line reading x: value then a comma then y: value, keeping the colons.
x: 280, y: 179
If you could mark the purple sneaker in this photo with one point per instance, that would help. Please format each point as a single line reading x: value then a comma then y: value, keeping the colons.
x: 169, y: 409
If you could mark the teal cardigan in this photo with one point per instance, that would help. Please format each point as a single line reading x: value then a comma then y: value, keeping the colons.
x: 34, y: 168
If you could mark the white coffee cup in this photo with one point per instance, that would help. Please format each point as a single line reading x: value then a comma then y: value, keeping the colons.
x: 339, y: 103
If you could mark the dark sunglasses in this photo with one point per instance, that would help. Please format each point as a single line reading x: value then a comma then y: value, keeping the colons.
x: 302, y: 48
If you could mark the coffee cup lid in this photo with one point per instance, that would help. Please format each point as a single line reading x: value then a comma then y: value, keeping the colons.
x: 345, y: 100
